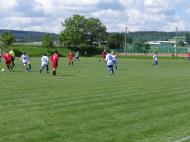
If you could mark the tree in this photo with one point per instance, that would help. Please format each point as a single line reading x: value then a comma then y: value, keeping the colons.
x: 129, y: 40
x: 181, y: 43
x: 147, y: 46
x: 116, y: 40
x: 73, y: 34
x: 187, y: 38
x: 47, y: 41
x: 7, y: 38
x: 140, y: 47
x: 79, y: 30
x: 96, y: 32
x: 137, y: 46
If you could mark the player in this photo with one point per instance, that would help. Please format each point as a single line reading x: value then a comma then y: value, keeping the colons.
x: 77, y: 56
x: 114, y: 57
x: 71, y: 58
x: 7, y: 59
x: 103, y: 56
x: 26, y: 62
x: 155, y: 58
x: 54, y: 60
x: 44, y: 63
x: 104, y: 53
x: 12, y: 53
x: 0, y: 54
x: 109, y: 61
x: 188, y: 56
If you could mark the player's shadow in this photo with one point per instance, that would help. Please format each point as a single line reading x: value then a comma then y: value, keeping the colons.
x: 66, y: 75
x: 17, y: 71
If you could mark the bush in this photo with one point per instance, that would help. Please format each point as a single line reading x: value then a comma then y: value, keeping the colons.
x: 37, y: 51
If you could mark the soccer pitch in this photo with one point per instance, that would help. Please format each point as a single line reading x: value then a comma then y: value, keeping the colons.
x: 83, y: 103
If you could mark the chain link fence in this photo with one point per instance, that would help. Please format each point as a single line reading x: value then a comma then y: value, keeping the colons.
x: 165, y: 49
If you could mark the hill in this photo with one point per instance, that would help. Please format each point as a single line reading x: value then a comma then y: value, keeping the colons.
x: 154, y: 35
x: 29, y: 36
x: 32, y: 36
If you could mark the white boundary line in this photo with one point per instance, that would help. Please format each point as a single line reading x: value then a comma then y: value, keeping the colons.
x: 183, y: 139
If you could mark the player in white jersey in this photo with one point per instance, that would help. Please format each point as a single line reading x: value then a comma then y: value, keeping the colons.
x: 77, y: 56
x: 109, y: 61
x: 114, y: 57
x: 26, y: 61
x: 44, y: 63
x: 155, y: 59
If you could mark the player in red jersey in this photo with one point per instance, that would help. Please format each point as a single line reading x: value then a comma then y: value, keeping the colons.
x: 188, y: 56
x: 104, y: 53
x: 7, y: 58
x: 54, y: 59
x: 71, y: 60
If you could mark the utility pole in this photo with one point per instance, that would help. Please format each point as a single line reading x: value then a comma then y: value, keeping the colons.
x: 125, y: 40
x: 176, y: 42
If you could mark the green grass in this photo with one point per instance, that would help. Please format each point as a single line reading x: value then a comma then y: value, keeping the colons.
x: 83, y: 103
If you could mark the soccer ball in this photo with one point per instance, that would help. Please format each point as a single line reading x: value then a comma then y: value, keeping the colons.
x: 3, y: 70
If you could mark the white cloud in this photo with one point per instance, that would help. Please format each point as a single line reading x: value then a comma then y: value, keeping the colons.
x: 44, y: 6
x: 107, y: 13
x: 81, y: 2
x: 130, y: 3
x: 33, y: 23
x: 148, y: 2
x: 153, y: 14
x: 18, y: 20
x: 171, y: 26
x: 188, y: 11
x: 45, y: 15
x: 6, y: 5
x: 44, y: 28
x: 55, y: 6
x: 24, y: 20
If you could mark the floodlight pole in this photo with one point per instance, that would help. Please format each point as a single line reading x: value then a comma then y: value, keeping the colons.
x: 176, y: 42
x: 125, y: 40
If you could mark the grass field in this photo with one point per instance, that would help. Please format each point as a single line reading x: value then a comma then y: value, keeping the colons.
x: 83, y: 103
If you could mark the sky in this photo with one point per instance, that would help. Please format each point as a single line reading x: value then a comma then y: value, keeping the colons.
x: 136, y: 15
